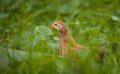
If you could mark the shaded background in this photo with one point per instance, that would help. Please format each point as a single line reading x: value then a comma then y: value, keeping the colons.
x: 29, y: 46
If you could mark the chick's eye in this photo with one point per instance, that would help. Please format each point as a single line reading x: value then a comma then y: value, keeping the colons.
x: 55, y: 24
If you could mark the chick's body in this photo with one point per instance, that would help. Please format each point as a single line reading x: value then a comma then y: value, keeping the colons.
x: 67, y: 43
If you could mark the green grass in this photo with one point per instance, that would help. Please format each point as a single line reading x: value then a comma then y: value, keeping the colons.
x: 29, y: 46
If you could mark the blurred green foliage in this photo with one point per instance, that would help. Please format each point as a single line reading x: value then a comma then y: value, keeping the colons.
x: 29, y: 46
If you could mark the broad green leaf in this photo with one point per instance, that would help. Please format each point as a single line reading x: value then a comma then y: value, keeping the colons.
x: 41, y: 32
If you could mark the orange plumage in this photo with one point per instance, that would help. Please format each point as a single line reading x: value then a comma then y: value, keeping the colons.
x: 66, y: 41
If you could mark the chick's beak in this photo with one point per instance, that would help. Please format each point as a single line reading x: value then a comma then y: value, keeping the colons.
x: 51, y: 26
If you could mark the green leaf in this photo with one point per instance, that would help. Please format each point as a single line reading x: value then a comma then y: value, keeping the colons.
x: 41, y: 32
